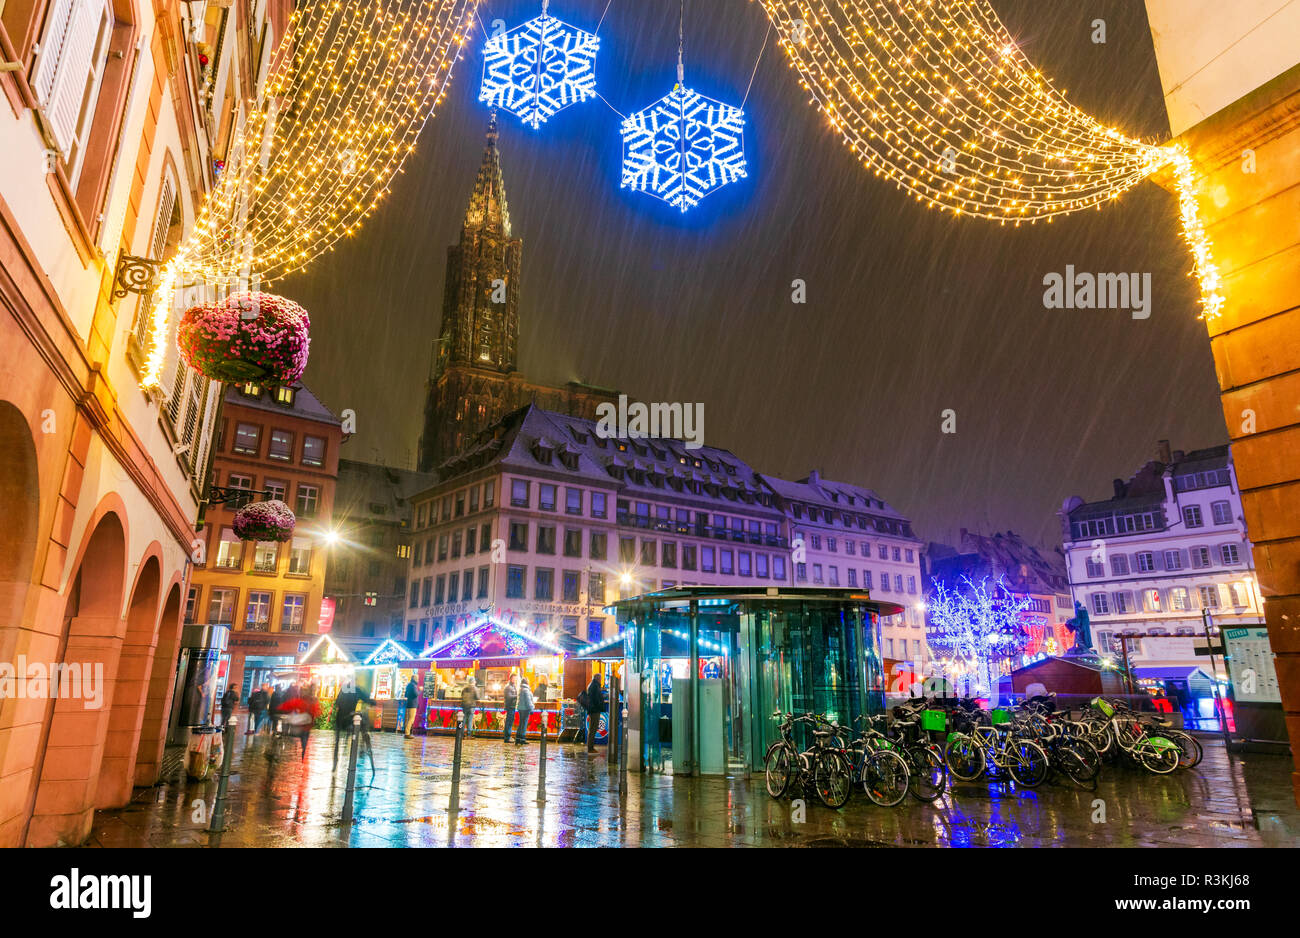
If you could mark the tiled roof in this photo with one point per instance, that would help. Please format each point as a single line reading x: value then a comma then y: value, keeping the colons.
x: 305, y: 404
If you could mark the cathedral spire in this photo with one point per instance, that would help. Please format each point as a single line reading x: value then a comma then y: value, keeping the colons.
x: 487, y: 204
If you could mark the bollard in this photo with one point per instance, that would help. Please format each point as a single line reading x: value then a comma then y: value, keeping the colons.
x: 453, y: 805
x: 352, y: 769
x: 622, y: 755
x: 541, y: 768
x: 218, y: 822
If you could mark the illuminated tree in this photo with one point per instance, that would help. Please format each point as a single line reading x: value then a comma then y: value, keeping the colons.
x: 974, y: 628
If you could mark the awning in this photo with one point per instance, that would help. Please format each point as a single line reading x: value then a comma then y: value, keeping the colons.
x: 491, y: 639
x: 1171, y: 673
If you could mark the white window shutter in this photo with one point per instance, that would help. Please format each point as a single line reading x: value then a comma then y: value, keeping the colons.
x: 47, y: 61
x: 162, y: 224
x: 74, y: 68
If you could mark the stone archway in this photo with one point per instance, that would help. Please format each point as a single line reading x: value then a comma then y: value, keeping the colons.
x: 67, y: 766
x: 158, y: 699
x: 19, y: 526
x: 130, y: 684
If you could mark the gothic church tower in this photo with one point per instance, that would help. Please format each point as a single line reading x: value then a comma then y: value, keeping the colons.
x: 477, y: 345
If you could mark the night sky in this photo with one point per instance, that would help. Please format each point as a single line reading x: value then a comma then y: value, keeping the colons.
x: 909, y: 311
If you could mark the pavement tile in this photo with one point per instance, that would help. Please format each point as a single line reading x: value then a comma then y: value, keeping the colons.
x: 404, y: 802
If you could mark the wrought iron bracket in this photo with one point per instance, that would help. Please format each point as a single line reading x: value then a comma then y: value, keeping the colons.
x: 137, y: 275
x: 221, y: 494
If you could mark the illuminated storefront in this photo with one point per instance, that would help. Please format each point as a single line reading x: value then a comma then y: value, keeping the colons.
x: 706, y: 668
x: 489, y: 651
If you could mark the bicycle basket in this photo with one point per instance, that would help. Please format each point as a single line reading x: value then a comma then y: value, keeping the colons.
x: 1103, y: 705
x: 934, y: 720
x: 1001, y: 716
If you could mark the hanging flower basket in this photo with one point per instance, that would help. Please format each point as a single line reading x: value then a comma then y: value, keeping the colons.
x: 265, y: 521
x: 246, y: 337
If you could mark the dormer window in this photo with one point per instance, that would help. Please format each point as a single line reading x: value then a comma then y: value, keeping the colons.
x: 622, y: 446
x: 251, y: 389
x: 569, y: 459
x: 618, y: 472
x: 284, y: 395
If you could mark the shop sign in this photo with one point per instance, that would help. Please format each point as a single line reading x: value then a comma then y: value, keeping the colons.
x: 326, y: 621
x: 259, y: 643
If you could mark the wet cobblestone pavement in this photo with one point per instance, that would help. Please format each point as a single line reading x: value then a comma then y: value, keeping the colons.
x: 1245, y: 801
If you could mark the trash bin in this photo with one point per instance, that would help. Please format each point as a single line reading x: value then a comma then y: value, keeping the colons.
x: 204, y: 752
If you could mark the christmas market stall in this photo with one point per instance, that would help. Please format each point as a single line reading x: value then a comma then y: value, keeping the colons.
x: 488, y: 651
x: 325, y: 667
x: 383, y: 676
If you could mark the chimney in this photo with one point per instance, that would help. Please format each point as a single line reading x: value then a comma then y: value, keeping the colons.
x: 1162, y: 451
x: 1179, y: 455
x: 814, y: 476
x: 1119, y: 488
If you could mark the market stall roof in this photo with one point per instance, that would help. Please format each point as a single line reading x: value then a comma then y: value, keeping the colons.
x: 1172, y: 673
x: 673, y: 643
x: 325, y: 651
x: 389, y: 652
x: 611, y: 649
x: 491, y: 637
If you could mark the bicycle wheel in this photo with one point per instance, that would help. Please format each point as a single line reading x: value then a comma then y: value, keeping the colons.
x: 1089, y: 754
x: 885, y: 777
x: 833, y: 779
x: 779, y: 770
x: 1158, y: 755
x: 1101, y: 739
x: 1191, y: 751
x: 929, y: 775
x: 965, y: 757
x: 1027, y: 763
x: 1073, y: 766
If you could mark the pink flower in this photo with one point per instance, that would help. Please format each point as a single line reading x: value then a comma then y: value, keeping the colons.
x: 271, y: 347
x: 265, y: 521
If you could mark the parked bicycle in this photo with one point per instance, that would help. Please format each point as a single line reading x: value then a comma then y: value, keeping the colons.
x: 823, y: 766
x: 979, y: 746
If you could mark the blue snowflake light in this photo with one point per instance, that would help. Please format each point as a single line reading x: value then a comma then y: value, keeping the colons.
x: 683, y: 147
x: 537, y: 69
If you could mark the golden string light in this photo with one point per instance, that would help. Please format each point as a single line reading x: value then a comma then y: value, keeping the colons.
x: 937, y: 97
x: 350, y: 88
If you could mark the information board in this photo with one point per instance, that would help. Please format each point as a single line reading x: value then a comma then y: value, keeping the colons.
x: 1250, y: 665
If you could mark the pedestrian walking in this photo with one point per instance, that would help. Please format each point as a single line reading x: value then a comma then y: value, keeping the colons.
x: 300, y: 714
x: 594, y: 705
x: 511, y: 694
x: 524, y: 703
x: 256, y: 710
x: 274, y: 707
x: 229, y: 700
x: 345, y: 705
x: 412, y: 696
x: 468, y: 700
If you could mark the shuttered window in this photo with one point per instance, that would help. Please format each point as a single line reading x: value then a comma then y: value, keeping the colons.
x: 69, y: 69
x: 167, y: 219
